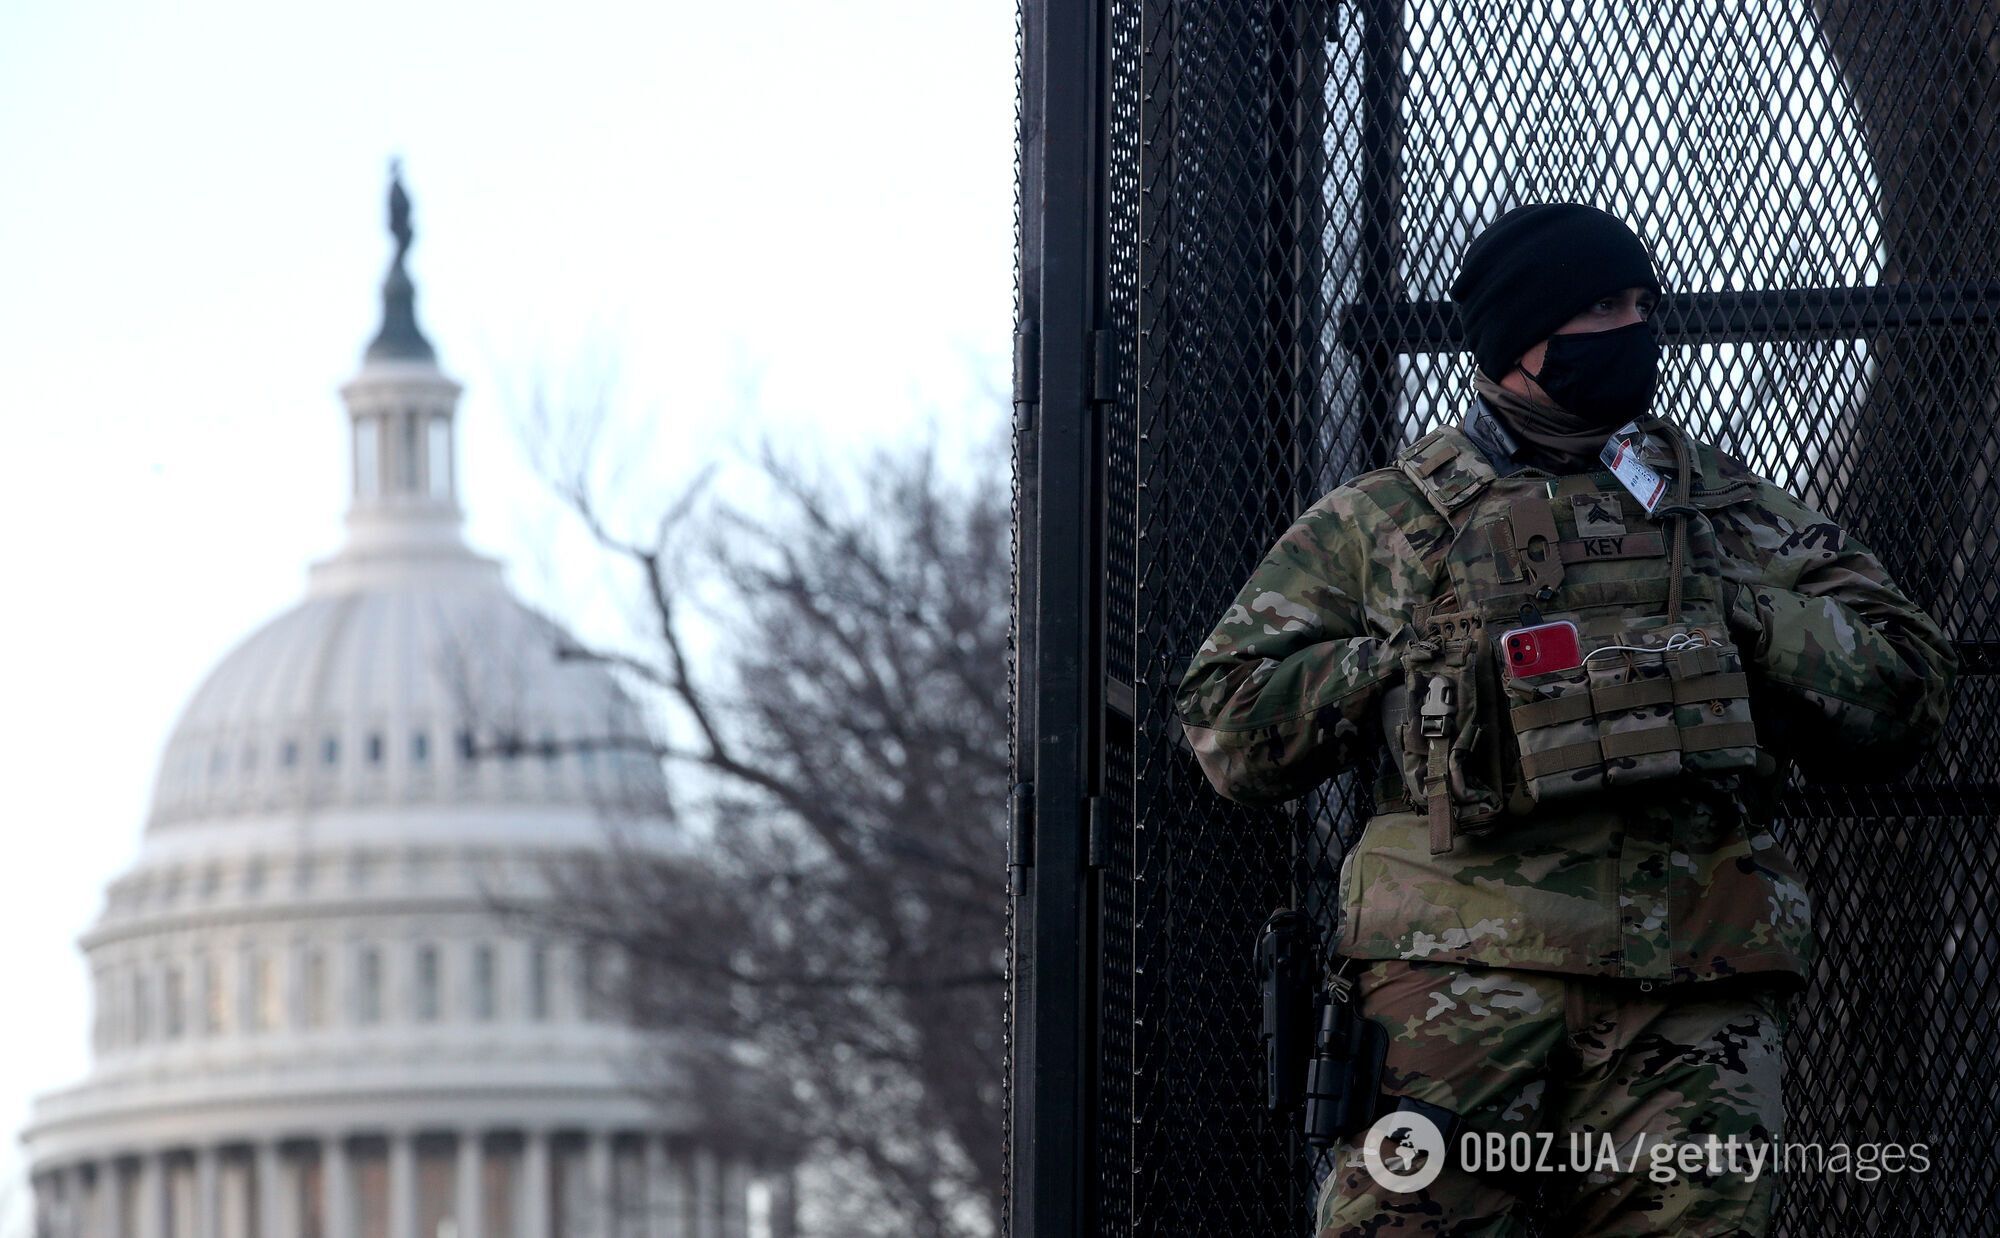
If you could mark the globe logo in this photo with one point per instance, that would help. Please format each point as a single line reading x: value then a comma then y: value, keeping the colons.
x: 1415, y: 1151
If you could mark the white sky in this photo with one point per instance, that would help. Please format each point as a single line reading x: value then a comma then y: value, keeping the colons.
x: 191, y: 241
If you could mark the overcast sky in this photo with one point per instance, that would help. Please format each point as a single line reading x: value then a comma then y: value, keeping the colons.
x: 807, y: 202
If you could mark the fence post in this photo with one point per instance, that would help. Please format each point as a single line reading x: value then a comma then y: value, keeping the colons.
x: 1060, y: 671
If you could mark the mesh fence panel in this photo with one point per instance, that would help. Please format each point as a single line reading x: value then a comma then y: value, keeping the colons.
x: 1286, y: 190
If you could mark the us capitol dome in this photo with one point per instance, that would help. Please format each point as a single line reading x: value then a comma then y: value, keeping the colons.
x: 309, y: 1021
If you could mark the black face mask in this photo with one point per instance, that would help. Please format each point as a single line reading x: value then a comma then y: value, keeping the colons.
x: 1604, y: 378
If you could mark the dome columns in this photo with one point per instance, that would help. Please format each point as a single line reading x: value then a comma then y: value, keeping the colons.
x: 272, y: 1195
x: 707, y: 1185
x: 337, y: 1186
x: 402, y: 1185
x: 547, y: 1182
x: 404, y: 480
x: 401, y: 413
x: 534, y: 1221
x: 207, y: 1192
x: 470, y: 1204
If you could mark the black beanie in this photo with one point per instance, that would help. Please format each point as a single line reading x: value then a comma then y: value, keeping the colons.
x: 1537, y: 267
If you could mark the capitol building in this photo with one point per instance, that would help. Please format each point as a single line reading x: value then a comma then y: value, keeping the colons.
x: 310, y: 1022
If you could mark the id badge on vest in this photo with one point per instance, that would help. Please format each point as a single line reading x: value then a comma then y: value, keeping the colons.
x: 1621, y: 454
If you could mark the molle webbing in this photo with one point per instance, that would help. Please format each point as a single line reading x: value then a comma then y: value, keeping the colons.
x: 1583, y: 755
x: 1590, y: 753
x: 1660, y: 692
x: 1635, y: 695
x: 1720, y: 735
x: 1592, y: 595
x: 1639, y: 743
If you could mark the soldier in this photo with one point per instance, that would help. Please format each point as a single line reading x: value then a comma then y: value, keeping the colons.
x: 1589, y: 647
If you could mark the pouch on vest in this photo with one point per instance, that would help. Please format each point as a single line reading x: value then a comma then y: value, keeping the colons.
x: 1712, y: 706
x: 1646, y: 705
x: 1555, y: 729
x: 1445, y: 733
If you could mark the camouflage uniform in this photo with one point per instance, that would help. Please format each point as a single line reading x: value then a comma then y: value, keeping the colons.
x: 1526, y: 1051
x: 1679, y: 882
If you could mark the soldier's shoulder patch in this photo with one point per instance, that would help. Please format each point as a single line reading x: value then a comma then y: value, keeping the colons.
x: 1446, y: 467
x: 1434, y: 445
x: 1398, y: 496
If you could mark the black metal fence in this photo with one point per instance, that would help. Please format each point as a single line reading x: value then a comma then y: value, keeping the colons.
x: 1238, y: 221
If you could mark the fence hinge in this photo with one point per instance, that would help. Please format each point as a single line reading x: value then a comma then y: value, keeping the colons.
x: 1103, y: 366
x: 1120, y: 698
x: 1027, y: 375
x: 1020, y: 837
x: 1100, y: 842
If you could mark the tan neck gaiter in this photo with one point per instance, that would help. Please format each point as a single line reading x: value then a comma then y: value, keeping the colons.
x: 1560, y: 434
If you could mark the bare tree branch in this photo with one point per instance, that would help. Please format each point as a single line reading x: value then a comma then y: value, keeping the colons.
x: 824, y: 964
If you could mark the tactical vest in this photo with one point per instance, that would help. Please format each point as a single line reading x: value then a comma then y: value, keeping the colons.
x: 1657, y: 690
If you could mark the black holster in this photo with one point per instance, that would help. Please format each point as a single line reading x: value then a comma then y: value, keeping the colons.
x: 1317, y: 1046
x: 1344, y: 1081
x: 1287, y: 963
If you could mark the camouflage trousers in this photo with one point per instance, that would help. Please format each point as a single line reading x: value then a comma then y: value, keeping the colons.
x: 1517, y: 1053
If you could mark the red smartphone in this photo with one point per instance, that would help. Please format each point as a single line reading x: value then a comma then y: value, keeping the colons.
x: 1542, y: 648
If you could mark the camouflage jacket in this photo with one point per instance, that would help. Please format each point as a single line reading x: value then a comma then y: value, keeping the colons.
x: 1684, y: 883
